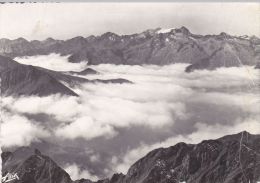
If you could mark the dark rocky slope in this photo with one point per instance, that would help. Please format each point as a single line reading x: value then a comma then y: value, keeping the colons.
x: 35, y: 168
x: 149, y: 47
x: 18, y: 79
x: 230, y: 159
x: 86, y: 71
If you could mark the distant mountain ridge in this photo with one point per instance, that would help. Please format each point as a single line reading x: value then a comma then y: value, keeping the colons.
x: 154, y: 46
x: 230, y: 159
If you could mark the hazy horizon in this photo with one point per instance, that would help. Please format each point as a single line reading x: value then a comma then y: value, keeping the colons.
x: 85, y: 19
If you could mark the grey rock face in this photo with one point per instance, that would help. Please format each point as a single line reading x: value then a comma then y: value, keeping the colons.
x: 230, y: 159
x: 35, y: 168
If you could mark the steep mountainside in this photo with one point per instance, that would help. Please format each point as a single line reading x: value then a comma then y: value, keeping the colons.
x: 18, y: 79
x: 230, y: 159
x: 34, y: 168
x: 153, y: 46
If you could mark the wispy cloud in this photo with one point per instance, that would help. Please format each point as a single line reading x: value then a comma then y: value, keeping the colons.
x: 76, y: 173
x: 17, y: 130
x: 86, y: 128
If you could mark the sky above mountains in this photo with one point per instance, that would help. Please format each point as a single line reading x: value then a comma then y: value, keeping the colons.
x: 67, y: 20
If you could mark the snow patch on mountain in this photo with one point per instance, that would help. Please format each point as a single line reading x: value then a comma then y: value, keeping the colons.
x: 163, y: 31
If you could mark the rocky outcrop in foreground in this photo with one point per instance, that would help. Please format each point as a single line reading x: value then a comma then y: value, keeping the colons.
x: 230, y: 159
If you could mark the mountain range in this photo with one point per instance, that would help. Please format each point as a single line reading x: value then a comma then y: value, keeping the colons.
x: 230, y: 159
x: 154, y: 46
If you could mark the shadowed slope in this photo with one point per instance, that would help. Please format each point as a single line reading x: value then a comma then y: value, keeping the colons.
x: 18, y: 79
x: 230, y: 159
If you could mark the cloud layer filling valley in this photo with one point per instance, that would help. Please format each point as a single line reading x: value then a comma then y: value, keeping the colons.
x: 162, y: 99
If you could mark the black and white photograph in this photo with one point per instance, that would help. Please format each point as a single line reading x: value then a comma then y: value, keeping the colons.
x: 130, y: 92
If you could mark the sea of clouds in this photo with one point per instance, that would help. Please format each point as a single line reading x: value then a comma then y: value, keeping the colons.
x: 201, y: 105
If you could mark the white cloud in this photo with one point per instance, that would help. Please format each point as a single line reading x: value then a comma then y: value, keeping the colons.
x: 158, y: 98
x: 95, y: 158
x: 19, y: 131
x: 124, y: 113
x: 76, y: 173
x: 95, y: 112
x: 55, y: 105
x: 86, y: 128
x: 248, y: 102
x: 52, y: 61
